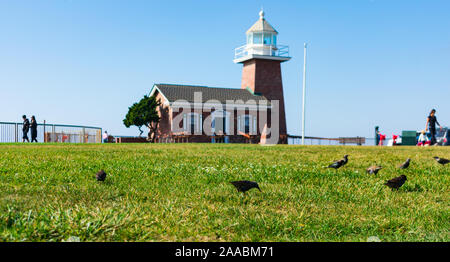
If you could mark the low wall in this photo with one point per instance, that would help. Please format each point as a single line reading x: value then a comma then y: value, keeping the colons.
x: 208, y: 139
x: 131, y: 140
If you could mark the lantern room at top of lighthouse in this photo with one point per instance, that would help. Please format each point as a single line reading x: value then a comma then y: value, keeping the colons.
x: 261, y: 43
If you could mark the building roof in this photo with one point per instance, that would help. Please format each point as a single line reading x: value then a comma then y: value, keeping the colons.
x: 262, y: 25
x: 186, y: 92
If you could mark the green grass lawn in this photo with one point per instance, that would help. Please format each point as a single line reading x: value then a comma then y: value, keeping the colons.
x: 181, y: 192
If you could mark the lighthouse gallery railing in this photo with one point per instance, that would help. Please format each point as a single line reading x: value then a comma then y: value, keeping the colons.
x: 279, y: 50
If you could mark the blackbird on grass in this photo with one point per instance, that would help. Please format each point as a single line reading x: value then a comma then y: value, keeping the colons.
x: 374, y: 169
x: 243, y: 186
x: 101, y: 175
x: 340, y: 163
x: 406, y: 164
x: 442, y: 161
x: 396, y: 182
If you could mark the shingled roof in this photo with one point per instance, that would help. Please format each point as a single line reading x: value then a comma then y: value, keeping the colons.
x: 262, y: 25
x: 186, y: 92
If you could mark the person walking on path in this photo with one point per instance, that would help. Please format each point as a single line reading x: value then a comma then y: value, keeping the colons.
x: 25, y: 128
x: 33, y: 128
x: 431, y: 125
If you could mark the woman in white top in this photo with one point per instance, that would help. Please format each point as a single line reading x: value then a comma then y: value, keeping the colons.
x: 105, y: 137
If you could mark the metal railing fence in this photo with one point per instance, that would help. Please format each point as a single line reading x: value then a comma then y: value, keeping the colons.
x: 51, y: 133
x: 297, y: 140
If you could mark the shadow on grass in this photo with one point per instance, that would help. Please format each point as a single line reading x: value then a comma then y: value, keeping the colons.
x: 409, y: 188
x: 415, y: 188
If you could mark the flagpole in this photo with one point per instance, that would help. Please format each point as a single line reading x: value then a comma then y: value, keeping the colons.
x: 304, y: 91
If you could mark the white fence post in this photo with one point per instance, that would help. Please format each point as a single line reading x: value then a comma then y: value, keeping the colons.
x: 16, y: 134
x: 44, y: 132
x: 53, y: 133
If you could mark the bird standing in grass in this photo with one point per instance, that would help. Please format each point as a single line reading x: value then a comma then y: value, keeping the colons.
x: 441, y: 161
x: 406, y: 164
x: 396, y: 182
x: 243, y: 186
x: 340, y: 163
x: 101, y: 175
x: 374, y: 169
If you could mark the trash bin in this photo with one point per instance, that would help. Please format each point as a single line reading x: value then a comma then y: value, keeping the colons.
x: 409, y: 138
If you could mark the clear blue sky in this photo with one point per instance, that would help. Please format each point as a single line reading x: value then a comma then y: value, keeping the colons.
x: 371, y: 62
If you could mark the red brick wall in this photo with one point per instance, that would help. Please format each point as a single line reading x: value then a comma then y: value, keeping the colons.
x: 164, y: 112
x: 264, y: 76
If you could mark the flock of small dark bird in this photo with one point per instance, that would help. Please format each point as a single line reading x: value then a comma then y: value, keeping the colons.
x: 394, y: 183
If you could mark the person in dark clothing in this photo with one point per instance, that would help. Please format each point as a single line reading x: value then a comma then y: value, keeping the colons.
x: 431, y: 125
x: 33, y: 128
x: 377, y: 136
x: 25, y: 128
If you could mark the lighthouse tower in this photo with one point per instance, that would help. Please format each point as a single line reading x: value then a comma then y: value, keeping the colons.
x: 262, y: 58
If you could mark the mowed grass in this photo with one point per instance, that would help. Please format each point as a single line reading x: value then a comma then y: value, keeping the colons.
x: 181, y: 192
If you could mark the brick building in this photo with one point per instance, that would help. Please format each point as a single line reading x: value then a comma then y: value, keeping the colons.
x: 254, y: 113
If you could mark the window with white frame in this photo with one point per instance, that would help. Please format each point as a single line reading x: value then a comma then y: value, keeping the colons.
x: 257, y: 38
x: 247, y: 124
x: 238, y: 122
x: 247, y: 120
x: 219, y: 124
x: 192, y: 123
x: 267, y: 39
